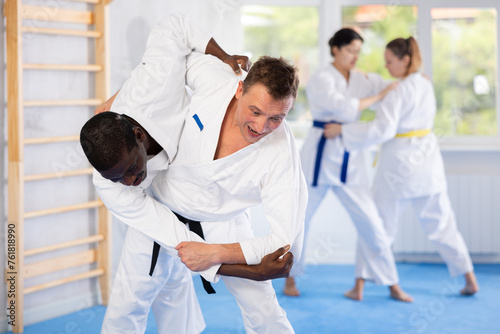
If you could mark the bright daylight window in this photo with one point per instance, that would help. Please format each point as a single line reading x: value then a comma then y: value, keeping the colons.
x: 378, y: 24
x: 290, y: 32
x: 463, y: 49
x: 464, y: 54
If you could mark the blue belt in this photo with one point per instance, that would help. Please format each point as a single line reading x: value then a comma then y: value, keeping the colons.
x: 319, y: 155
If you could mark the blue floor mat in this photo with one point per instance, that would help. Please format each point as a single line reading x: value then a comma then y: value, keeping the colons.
x: 321, y: 308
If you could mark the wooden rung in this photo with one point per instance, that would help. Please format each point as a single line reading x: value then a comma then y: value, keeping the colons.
x: 68, y: 32
x: 51, y: 103
x: 89, y: 274
x: 47, y: 176
x: 86, y: 1
x: 62, y: 245
x: 59, y: 263
x: 50, y: 140
x: 57, y: 67
x: 56, y: 13
x: 62, y: 209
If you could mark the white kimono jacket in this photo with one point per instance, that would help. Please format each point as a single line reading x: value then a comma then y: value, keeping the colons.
x: 266, y: 172
x: 332, y: 98
x: 155, y: 96
x: 408, y: 167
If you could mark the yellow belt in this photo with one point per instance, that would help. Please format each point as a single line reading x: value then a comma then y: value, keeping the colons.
x: 414, y: 133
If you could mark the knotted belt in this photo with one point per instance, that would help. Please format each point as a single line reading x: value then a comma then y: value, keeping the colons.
x: 195, y: 227
x: 319, y: 155
x: 414, y: 133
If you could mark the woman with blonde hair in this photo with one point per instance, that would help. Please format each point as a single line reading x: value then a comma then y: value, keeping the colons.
x: 410, y: 166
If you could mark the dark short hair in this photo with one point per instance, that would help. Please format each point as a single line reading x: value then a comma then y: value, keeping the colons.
x: 343, y: 37
x: 276, y: 74
x: 104, y: 137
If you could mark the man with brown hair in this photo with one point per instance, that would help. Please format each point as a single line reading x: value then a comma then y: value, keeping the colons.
x: 243, y: 124
x: 236, y: 151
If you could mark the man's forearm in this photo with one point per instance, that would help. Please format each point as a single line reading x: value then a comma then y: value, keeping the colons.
x: 275, y: 265
x: 242, y: 271
x: 230, y: 254
x: 235, y: 61
x: 199, y: 256
x: 215, y: 50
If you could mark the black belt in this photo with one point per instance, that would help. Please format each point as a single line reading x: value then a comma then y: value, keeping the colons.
x: 319, y: 155
x: 195, y: 227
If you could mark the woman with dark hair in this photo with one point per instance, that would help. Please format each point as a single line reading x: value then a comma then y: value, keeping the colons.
x: 410, y: 165
x: 337, y: 93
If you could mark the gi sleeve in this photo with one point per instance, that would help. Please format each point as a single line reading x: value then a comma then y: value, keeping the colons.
x: 284, y: 200
x: 359, y: 136
x: 134, y: 207
x: 154, y: 94
x: 377, y: 83
x: 327, y: 103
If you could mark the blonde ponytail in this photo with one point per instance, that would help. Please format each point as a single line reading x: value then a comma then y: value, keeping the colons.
x: 415, y: 57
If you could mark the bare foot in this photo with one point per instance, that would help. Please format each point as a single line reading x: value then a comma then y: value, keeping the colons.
x: 469, y: 290
x: 290, y: 288
x: 398, y: 294
x: 471, y: 286
x: 356, y: 293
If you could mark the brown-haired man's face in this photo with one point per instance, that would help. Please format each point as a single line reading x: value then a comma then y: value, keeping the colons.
x: 131, y: 169
x: 258, y: 114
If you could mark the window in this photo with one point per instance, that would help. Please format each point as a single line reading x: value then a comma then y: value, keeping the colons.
x: 379, y: 24
x: 290, y: 32
x: 459, y: 48
x: 464, y: 57
x: 461, y: 45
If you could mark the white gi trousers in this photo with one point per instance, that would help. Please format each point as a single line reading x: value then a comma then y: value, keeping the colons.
x: 438, y: 221
x: 259, y: 306
x: 258, y: 303
x: 374, y: 258
x: 169, y: 292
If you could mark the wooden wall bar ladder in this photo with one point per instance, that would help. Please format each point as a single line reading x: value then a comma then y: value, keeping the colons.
x: 17, y: 271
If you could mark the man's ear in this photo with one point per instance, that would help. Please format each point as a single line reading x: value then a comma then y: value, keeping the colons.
x: 140, y: 136
x: 239, y: 90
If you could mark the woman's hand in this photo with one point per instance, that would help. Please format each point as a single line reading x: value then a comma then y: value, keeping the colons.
x: 332, y: 130
x: 391, y: 86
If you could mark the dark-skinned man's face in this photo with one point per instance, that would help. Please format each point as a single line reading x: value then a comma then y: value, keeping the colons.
x: 131, y: 169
